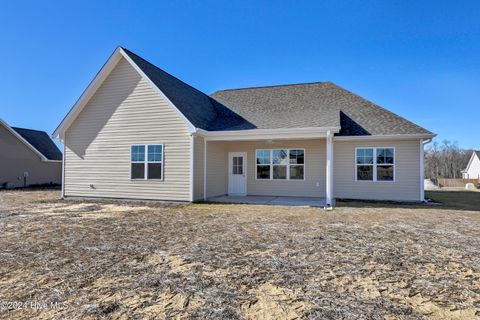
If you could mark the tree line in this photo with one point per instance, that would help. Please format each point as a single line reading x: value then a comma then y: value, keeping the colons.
x: 445, y: 160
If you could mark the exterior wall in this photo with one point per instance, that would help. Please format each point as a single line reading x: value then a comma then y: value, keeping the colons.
x: 407, y: 172
x: 315, y: 168
x: 473, y: 171
x: 17, y: 158
x: 126, y: 110
x: 217, y: 159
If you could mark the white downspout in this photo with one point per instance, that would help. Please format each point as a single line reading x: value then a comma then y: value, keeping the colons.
x: 329, y: 193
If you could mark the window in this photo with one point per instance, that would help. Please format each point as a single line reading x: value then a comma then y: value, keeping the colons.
x: 365, y: 164
x: 138, y: 162
x: 297, y: 164
x: 375, y: 164
x: 385, y: 164
x: 263, y: 164
x: 155, y: 157
x: 280, y: 161
x: 280, y: 164
x: 147, y: 162
x: 237, y: 165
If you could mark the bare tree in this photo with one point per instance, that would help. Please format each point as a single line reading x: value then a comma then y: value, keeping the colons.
x: 445, y: 160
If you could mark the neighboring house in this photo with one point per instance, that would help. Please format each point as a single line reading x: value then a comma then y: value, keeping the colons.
x: 473, y: 168
x: 137, y: 132
x: 28, y: 157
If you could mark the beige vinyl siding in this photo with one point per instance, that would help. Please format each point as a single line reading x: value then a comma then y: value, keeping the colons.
x: 124, y: 111
x: 198, y: 172
x: 407, y: 172
x: 17, y: 158
x: 217, y: 159
x: 315, y: 161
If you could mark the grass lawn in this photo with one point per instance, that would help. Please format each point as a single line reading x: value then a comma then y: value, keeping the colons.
x: 216, y: 261
x: 469, y: 200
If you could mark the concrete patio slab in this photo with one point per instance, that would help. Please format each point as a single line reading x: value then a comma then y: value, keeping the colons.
x: 266, y: 200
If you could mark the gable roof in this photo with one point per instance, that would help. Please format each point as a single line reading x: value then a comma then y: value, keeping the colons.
x: 200, y: 109
x: 310, y: 105
x: 474, y: 153
x: 38, y: 141
x: 318, y: 104
x: 41, y: 141
x: 197, y: 109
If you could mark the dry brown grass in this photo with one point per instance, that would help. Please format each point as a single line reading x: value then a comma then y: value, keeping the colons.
x: 137, y: 260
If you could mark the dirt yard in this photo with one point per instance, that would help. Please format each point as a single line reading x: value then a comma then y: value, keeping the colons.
x: 90, y: 260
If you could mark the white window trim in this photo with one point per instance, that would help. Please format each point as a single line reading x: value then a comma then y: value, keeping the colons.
x: 271, y: 164
x: 374, y: 165
x: 146, y: 162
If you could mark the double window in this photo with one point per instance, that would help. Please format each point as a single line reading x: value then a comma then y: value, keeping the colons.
x: 147, y: 162
x: 280, y: 164
x: 375, y: 164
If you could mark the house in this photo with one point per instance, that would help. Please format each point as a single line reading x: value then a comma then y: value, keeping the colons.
x: 28, y: 157
x: 138, y: 132
x: 473, y: 168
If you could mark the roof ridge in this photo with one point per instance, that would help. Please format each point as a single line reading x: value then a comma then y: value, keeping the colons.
x: 277, y: 85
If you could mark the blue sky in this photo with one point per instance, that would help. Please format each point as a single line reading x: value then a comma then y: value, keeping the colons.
x: 420, y: 59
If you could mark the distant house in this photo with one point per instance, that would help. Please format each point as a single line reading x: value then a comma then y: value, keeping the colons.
x: 28, y: 157
x: 138, y: 132
x: 473, y: 168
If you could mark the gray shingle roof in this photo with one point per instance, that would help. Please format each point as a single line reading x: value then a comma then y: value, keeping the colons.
x: 40, y: 141
x: 320, y: 104
x: 200, y: 109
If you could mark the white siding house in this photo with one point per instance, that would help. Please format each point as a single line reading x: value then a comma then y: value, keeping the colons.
x: 473, y: 168
x: 139, y: 133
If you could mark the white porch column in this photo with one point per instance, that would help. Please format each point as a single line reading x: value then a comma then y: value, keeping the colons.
x: 422, y: 171
x: 329, y: 169
x: 192, y: 166
x: 204, y: 168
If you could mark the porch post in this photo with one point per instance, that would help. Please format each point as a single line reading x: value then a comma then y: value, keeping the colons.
x: 204, y: 168
x: 329, y: 169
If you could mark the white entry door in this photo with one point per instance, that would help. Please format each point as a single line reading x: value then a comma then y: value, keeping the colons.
x: 237, y: 173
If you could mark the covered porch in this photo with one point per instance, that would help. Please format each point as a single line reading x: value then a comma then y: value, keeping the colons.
x: 280, y: 168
